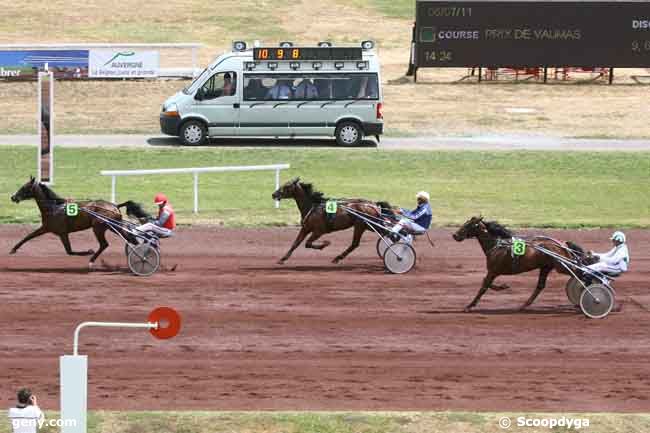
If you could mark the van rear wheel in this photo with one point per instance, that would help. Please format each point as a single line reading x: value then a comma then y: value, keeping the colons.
x: 348, y: 134
x: 193, y: 133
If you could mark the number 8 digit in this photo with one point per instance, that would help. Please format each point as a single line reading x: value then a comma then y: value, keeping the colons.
x: 295, y: 53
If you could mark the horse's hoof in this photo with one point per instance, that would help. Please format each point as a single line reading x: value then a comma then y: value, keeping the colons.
x: 12, y: 252
x: 336, y: 260
x: 468, y: 309
x: 91, y: 266
x: 281, y: 262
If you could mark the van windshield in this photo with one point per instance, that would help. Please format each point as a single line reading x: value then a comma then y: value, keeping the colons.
x: 193, y: 86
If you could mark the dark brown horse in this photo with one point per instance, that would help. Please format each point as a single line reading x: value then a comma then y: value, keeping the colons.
x: 54, y: 219
x: 315, y: 221
x: 494, y: 240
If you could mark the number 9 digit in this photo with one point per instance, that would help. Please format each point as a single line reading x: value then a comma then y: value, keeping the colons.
x: 280, y: 54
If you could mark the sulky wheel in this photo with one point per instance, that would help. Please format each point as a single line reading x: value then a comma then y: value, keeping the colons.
x: 596, y: 301
x: 399, y: 258
x: 382, y: 245
x: 574, y: 288
x: 144, y: 259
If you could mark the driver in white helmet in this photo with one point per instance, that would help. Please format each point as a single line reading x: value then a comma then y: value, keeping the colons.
x: 418, y: 220
x: 616, y: 260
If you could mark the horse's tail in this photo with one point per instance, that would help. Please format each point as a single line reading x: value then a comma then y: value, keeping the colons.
x: 386, y: 209
x: 135, y: 210
x: 581, y: 254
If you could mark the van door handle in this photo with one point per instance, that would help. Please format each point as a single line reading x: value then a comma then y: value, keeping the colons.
x: 235, y: 105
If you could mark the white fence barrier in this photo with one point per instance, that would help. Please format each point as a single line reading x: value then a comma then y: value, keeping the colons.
x: 196, y: 171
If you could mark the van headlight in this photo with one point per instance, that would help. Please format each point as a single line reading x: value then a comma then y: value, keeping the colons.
x: 170, y: 111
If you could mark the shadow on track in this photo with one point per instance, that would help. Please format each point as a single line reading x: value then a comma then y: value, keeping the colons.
x: 319, y: 268
x: 560, y: 310
x: 259, y: 142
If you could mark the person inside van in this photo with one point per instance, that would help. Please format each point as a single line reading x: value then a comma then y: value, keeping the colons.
x: 367, y: 88
x: 280, y: 90
x: 306, y: 90
x: 322, y: 87
x: 255, y: 89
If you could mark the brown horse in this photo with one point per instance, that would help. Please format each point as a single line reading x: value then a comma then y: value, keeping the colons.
x: 500, y: 261
x: 316, y: 221
x: 54, y: 219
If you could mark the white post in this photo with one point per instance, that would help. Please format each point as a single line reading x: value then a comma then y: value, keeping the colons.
x: 113, y: 181
x: 277, y: 186
x: 73, y: 374
x: 196, y: 192
x: 193, y: 62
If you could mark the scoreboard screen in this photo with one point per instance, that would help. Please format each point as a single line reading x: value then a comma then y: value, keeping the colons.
x: 295, y: 53
x: 532, y: 33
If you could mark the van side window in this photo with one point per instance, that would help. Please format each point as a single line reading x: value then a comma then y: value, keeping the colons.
x: 305, y: 87
x: 219, y: 85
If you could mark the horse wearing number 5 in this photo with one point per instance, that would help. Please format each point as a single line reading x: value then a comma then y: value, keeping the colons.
x: 56, y: 219
x: 507, y: 255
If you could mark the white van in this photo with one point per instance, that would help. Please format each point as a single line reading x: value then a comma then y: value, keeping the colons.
x: 282, y: 91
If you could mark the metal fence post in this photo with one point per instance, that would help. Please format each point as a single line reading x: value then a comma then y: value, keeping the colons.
x: 194, y: 58
x: 196, y: 192
x: 277, y: 186
x: 113, y: 181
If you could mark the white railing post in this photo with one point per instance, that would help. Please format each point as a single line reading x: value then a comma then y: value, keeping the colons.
x: 196, y: 192
x: 113, y: 182
x: 277, y: 186
x: 194, y: 59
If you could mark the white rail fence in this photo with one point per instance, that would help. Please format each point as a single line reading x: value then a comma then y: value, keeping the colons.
x: 163, y: 72
x: 114, y: 174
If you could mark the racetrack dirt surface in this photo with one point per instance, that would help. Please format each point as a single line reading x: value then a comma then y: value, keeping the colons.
x: 310, y: 335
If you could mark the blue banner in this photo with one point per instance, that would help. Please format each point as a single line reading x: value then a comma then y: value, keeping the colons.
x: 25, y: 64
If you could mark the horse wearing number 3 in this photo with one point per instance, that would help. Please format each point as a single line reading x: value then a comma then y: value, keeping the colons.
x: 508, y: 255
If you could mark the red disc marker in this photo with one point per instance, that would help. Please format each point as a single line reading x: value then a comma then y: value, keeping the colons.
x: 168, y: 320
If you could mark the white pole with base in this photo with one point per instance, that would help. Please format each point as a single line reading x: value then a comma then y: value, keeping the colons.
x: 74, y: 368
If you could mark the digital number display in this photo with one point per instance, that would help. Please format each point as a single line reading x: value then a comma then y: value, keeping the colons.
x: 291, y: 53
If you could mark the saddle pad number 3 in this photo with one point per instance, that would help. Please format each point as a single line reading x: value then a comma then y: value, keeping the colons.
x: 72, y: 209
x: 519, y: 247
x: 331, y: 206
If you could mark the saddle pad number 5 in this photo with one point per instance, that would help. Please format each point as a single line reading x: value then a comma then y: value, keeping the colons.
x: 331, y: 206
x: 518, y: 247
x: 71, y: 209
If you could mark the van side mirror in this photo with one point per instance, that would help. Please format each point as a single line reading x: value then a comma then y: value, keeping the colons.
x: 200, y: 95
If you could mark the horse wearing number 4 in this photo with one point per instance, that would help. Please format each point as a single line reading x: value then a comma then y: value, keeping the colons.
x: 320, y: 216
x: 507, y: 255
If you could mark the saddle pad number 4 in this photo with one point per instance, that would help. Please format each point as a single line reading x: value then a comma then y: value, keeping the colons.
x: 331, y: 206
x: 71, y: 209
x: 519, y: 247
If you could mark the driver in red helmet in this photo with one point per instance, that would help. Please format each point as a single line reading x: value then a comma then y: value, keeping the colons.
x: 166, y: 222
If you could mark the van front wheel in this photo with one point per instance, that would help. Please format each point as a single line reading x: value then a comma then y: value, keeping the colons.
x: 348, y: 134
x: 193, y: 133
